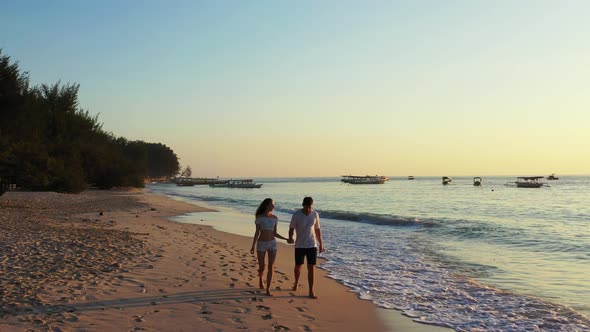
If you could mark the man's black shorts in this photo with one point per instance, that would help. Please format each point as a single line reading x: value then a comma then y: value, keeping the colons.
x: 310, y: 253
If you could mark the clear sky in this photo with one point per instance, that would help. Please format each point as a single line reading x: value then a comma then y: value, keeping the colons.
x: 324, y: 88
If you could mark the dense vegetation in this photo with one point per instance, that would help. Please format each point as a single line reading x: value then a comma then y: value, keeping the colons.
x: 47, y: 142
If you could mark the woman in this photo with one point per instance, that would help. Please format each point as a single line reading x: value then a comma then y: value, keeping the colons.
x: 264, y: 239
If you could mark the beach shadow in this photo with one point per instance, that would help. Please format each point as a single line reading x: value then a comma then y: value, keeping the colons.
x: 152, y: 301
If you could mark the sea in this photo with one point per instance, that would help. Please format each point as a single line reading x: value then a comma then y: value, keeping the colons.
x: 471, y: 258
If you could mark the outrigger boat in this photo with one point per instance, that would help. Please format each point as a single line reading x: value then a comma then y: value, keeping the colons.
x: 528, y: 182
x: 410, y: 177
x: 552, y: 177
x: 248, y: 183
x: 366, y: 179
x: 446, y: 180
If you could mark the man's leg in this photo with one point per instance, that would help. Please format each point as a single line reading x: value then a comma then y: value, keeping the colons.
x: 311, y: 256
x: 297, y: 275
x: 299, y: 257
x: 310, y: 280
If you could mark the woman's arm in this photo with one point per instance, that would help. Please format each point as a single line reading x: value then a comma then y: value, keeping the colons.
x: 279, y: 235
x: 256, y: 236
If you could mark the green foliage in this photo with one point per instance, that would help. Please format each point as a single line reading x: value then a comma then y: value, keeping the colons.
x: 47, y: 142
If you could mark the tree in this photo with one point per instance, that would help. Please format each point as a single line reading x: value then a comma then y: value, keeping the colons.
x: 47, y: 142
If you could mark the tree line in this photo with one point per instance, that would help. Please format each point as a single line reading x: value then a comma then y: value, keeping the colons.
x: 48, y: 142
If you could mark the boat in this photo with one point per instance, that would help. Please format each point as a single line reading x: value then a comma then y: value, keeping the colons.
x: 528, y: 182
x: 552, y: 177
x: 477, y: 181
x: 446, y: 180
x: 410, y: 177
x: 187, y: 181
x: 246, y: 183
x: 364, y: 179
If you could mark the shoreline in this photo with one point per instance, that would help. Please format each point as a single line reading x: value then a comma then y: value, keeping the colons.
x: 113, y: 260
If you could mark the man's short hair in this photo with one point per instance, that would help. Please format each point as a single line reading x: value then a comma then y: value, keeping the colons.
x: 307, y: 201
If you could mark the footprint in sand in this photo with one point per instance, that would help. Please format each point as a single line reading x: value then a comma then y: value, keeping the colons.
x: 262, y: 307
x: 308, y: 317
x: 300, y: 309
x: 266, y: 317
x: 278, y: 327
x: 306, y: 328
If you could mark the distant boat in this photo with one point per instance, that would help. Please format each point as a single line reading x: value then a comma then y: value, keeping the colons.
x: 528, y: 182
x: 446, y: 180
x: 410, y: 177
x: 477, y: 181
x: 248, y: 183
x: 366, y: 179
x: 184, y: 181
x: 552, y: 177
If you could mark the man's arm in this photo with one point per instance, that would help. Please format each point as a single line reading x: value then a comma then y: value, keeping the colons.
x: 291, y: 231
x: 318, y: 234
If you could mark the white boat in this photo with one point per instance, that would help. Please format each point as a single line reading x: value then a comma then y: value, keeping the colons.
x: 365, y: 179
x: 248, y: 183
x: 528, y: 182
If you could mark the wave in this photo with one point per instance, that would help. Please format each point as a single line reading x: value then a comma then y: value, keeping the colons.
x: 373, y: 218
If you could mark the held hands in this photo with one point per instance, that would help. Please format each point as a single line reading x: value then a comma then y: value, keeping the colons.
x: 290, y: 241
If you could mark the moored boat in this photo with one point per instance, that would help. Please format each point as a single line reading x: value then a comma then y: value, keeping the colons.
x: 184, y: 181
x: 446, y: 180
x: 366, y: 179
x: 247, y: 183
x: 528, y: 182
x: 477, y: 181
x: 552, y: 177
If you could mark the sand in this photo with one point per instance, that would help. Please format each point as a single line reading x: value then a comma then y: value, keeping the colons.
x: 112, y: 261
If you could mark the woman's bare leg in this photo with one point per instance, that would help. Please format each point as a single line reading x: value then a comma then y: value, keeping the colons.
x: 260, y: 255
x: 272, y: 255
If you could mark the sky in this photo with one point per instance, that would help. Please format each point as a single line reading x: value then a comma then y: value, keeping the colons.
x: 325, y: 88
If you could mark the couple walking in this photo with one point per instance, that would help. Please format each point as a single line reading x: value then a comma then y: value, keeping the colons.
x: 306, y: 223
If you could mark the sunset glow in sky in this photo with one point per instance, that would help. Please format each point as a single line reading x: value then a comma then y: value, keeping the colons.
x: 324, y: 88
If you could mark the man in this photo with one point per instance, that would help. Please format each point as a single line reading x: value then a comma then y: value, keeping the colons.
x: 306, y: 222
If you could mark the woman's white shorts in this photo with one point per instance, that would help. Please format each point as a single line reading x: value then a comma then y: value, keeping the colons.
x: 266, y: 245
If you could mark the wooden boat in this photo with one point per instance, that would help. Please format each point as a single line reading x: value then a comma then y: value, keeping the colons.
x: 246, y: 183
x: 552, y: 177
x: 446, y: 180
x: 477, y: 181
x: 410, y: 177
x: 528, y: 182
x: 366, y: 179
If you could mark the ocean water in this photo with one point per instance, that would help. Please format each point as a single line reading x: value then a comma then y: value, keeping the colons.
x: 469, y: 258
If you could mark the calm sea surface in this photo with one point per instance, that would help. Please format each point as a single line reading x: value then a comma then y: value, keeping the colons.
x: 492, y: 257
